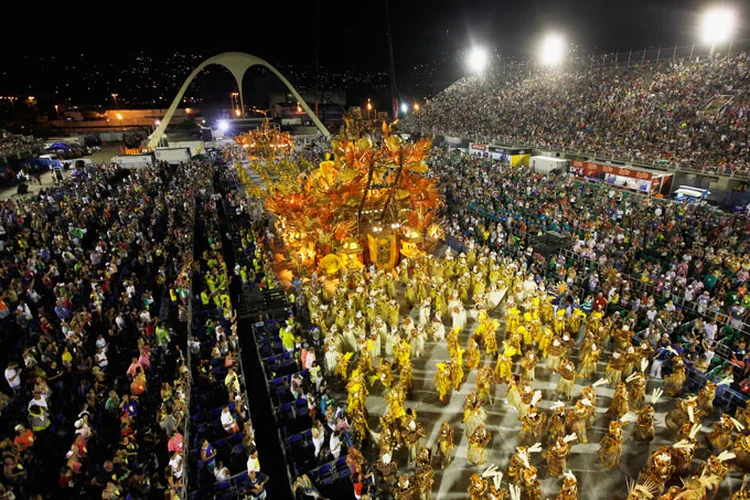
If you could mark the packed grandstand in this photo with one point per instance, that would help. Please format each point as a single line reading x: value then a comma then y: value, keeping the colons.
x: 687, y: 113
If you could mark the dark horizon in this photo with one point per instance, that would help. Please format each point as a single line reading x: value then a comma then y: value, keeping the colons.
x: 428, y: 41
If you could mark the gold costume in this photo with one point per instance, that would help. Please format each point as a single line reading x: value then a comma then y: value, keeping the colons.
x: 567, y: 371
x: 473, y: 356
x: 528, y: 364
x: 479, y: 440
x: 503, y: 369
x: 720, y: 438
x: 637, y: 391
x: 706, y: 398
x: 589, y: 362
x: 407, y: 488
x: 530, y: 487
x: 557, y: 457
x: 485, y: 384
x: 644, y: 425
x: 478, y: 487
x: 556, y: 427
x: 674, y: 383
x: 445, y: 444
x: 405, y: 376
x: 614, y: 367
x: 533, y: 428
x: 457, y: 369
x: 658, y: 470
x: 619, y: 405
x: 610, y: 446
x: 443, y: 382
x: 554, y: 353
x: 742, y: 453
x: 569, y: 489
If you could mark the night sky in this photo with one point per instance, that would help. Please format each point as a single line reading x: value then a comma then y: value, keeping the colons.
x: 353, y: 32
x: 351, y: 35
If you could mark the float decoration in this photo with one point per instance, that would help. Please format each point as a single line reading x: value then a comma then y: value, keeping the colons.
x: 361, y: 196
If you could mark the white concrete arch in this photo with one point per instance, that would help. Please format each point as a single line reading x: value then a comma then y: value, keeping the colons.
x: 237, y: 63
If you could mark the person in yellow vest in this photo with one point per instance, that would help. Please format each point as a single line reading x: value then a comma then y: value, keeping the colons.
x: 205, y: 298
x: 287, y: 338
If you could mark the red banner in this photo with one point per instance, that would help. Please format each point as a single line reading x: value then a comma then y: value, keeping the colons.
x: 477, y: 147
x: 584, y: 168
x: 588, y: 169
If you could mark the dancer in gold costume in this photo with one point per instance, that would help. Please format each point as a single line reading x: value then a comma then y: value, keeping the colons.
x: 479, y: 440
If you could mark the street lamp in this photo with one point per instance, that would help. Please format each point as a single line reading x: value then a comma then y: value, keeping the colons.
x: 404, y: 108
x: 416, y: 106
x: 552, y: 50
x: 717, y: 26
x: 114, y: 96
x: 57, y: 111
x: 477, y: 60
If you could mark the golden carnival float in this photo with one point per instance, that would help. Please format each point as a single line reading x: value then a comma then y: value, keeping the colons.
x: 369, y: 203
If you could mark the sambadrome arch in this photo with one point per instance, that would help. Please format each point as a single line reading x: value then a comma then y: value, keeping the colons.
x: 237, y: 63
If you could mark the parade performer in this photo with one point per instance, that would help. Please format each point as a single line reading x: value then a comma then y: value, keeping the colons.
x: 610, y: 446
x: 476, y: 414
x: 412, y: 431
x: 683, y: 452
x: 529, y: 483
x: 424, y: 474
x: 503, y: 369
x: 386, y: 468
x: 658, y: 470
x: 643, y: 430
x: 567, y: 371
x: 674, y: 383
x: 485, y: 384
x: 457, y: 369
x: 569, y: 489
x: 556, y: 427
x: 384, y: 374
x: 473, y: 356
x: 557, y: 455
x: 741, y: 451
x: 406, y: 488
x: 443, y: 382
x: 720, y: 438
x: 405, y: 376
x: 590, y: 360
x: 619, y: 405
x: 519, y: 460
x: 687, y: 411
x: 554, y: 353
x: 479, y: 440
x: 636, y: 390
x: 528, y: 364
x: 534, y: 424
x: 445, y: 444
x: 614, y: 367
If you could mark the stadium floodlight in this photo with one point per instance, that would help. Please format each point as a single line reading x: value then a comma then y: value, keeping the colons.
x: 477, y: 60
x: 223, y: 125
x: 404, y: 107
x: 717, y: 25
x: 553, y: 50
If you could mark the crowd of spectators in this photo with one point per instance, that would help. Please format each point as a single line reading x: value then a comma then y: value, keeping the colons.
x: 689, y: 113
x: 692, y: 251
x: 95, y: 284
x: 665, y: 263
x: 15, y: 143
